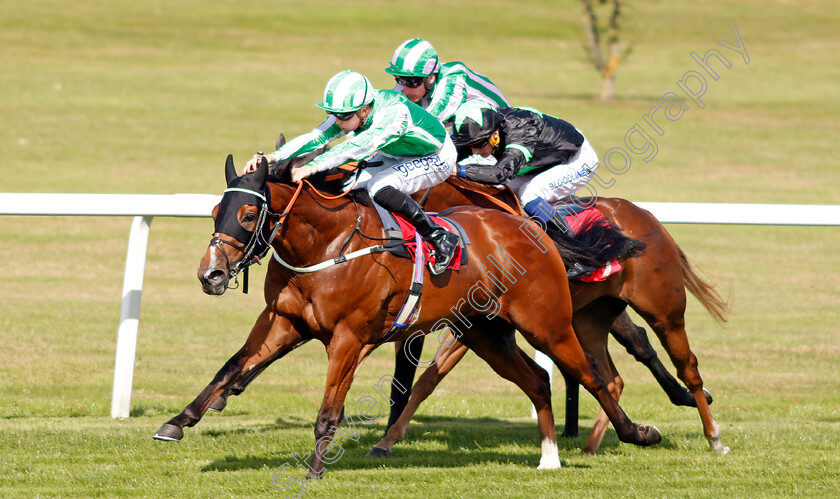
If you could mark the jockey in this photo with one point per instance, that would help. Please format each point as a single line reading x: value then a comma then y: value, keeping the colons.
x: 413, y: 147
x: 439, y: 88
x: 543, y: 159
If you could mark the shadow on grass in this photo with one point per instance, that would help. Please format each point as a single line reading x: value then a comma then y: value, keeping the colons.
x: 447, y: 442
x: 280, y: 424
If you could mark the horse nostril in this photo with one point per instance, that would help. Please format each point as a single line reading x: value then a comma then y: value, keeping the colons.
x: 214, y: 276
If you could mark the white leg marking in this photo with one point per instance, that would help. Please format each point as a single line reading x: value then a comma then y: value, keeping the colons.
x: 550, y: 459
x: 714, y: 442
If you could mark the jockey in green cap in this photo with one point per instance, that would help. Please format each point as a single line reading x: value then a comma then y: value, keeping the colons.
x: 413, y: 148
x: 439, y: 88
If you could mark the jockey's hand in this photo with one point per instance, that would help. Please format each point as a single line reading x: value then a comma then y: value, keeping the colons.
x: 254, y: 163
x: 478, y: 159
x: 302, y: 172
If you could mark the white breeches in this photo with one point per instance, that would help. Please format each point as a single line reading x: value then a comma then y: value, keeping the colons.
x: 558, y: 183
x: 409, y: 175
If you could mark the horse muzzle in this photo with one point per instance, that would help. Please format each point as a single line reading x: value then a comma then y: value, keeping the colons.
x: 214, y: 271
x: 213, y: 281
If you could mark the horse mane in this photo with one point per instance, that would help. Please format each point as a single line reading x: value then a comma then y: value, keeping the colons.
x: 330, y: 182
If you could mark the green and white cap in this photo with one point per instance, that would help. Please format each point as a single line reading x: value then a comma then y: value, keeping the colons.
x: 345, y: 92
x: 415, y: 57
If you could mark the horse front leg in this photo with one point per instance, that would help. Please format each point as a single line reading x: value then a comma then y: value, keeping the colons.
x: 344, y: 352
x: 270, y: 334
x: 242, y: 383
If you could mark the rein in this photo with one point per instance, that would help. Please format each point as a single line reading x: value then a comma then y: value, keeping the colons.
x: 249, y: 254
x: 333, y: 261
x: 460, y: 184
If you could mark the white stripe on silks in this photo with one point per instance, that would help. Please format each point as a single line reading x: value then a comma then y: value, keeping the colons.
x: 399, y: 51
x: 453, y: 104
x: 426, y: 135
x: 414, y: 55
x: 342, y: 90
x: 484, y: 83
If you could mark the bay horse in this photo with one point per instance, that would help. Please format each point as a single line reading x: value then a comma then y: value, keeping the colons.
x: 354, y: 303
x: 652, y: 283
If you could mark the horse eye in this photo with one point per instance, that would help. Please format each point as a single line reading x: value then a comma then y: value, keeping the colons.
x: 250, y: 217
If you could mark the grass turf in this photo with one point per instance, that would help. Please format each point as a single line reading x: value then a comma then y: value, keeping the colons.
x: 149, y: 98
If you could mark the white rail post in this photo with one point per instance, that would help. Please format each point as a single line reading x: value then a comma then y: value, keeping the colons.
x: 135, y: 265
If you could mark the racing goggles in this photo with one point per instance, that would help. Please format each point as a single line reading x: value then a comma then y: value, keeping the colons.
x: 492, y: 140
x: 343, y: 116
x: 410, y: 81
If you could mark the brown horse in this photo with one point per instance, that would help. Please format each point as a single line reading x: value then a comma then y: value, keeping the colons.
x: 653, y: 284
x: 458, y: 192
x: 354, y: 303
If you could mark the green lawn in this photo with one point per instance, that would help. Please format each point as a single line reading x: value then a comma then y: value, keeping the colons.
x: 149, y: 97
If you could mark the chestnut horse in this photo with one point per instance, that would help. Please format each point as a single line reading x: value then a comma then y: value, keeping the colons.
x: 652, y: 283
x: 354, y: 303
x: 645, y: 283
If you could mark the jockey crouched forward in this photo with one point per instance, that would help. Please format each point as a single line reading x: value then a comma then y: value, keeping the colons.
x: 413, y: 147
x: 542, y: 158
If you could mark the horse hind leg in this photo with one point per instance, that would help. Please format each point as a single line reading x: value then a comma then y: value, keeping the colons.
x: 562, y: 346
x: 508, y: 361
x: 599, y: 428
x: 592, y: 324
x: 672, y: 335
x: 634, y: 339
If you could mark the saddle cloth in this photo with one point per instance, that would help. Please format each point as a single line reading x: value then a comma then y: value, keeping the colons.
x: 575, y: 221
x: 408, y: 232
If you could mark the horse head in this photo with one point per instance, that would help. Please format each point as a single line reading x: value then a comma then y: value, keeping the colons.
x: 243, y: 228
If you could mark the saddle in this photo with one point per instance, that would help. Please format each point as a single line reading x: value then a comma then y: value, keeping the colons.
x: 400, y: 237
x: 402, y: 240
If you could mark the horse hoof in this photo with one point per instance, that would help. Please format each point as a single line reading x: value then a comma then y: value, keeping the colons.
x: 219, y: 404
x: 379, y: 452
x: 169, y: 433
x: 653, y: 436
x: 552, y: 464
x: 708, y: 395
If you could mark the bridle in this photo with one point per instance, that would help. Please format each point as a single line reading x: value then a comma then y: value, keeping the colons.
x: 260, y: 240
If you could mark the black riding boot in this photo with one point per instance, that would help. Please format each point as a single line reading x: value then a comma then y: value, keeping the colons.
x: 443, y: 241
x: 558, y: 222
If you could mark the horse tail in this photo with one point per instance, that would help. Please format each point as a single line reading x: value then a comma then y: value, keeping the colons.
x: 704, y: 291
x: 595, y: 244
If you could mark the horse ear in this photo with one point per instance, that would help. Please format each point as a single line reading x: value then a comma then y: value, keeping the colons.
x: 230, y: 170
x: 262, y: 171
x: 281, y: 141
